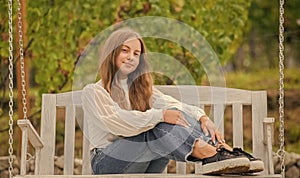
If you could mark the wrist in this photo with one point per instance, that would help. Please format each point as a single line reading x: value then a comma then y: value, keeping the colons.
x: 203, y: 118
x: 163, y: 114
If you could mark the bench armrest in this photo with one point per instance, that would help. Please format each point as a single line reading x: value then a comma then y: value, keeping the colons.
x: 33, y: 136
x: 269, y: 141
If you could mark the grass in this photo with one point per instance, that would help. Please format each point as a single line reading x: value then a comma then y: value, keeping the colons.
x: 263, y: 80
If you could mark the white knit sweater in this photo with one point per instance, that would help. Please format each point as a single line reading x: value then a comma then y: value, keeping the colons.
x: 104, y: 120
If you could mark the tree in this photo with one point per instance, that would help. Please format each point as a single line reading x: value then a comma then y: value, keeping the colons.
x: 60, y: 30
x: 260, y: 47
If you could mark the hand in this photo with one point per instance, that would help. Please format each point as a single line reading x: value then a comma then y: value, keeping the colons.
x: 209, y: 127
x: 175, y: 117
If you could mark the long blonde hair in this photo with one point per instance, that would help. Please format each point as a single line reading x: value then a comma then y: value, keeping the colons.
x: 139, y: 81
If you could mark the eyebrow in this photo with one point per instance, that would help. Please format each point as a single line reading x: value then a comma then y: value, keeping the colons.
x: 130, y: 48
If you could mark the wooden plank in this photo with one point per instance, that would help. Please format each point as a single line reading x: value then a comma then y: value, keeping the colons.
x: 259, y: 112
x: 180, y: 168
x: 29, y: 133
x: 147, y: 176
x: 33, y: 136
x: 219, y: 117
x: 24, y: 150
x: 237, y: 125
x: 69, y: 140
x: 205, y: 95
x: 37, y: 160
x: 198, y: 167
x: 67, y: 98
x: 268, y: 140
x: 86, y: 164
x: 48, y: 132
x: 196, y: 95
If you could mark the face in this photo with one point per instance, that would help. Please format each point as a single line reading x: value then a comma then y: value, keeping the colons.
x: 129, y: 57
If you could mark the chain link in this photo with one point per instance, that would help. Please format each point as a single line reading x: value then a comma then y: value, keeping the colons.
x: 10, y: 85
x: 281, y: 151
x: 22, y: 64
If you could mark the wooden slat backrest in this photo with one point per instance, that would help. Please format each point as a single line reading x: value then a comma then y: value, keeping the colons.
x: 48, y: 129
x: 201, y: 96
x: 259, y: 112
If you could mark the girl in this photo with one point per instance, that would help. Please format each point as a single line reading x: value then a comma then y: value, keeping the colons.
x: 134, y: 128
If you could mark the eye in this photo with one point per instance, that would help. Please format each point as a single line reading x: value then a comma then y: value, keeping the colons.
x: 124, y: 50
x: 136, y: 54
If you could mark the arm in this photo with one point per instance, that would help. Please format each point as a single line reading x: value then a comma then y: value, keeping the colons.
x: 98, y: 105
x: 162, y: 101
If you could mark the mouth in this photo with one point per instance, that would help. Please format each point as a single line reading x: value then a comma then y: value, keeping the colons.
x: 128, y: 64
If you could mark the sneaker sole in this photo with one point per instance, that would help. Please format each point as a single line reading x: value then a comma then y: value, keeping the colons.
x: 256, y: 166
x: 231, y: 166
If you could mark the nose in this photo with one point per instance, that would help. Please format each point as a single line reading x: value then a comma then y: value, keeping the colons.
x: 130, y: 56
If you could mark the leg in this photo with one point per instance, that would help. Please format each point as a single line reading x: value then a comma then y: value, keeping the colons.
x: 190, y: 144
x: 129, y: 155
x: 134, y: 154
x: 157, y: 165
x: 180, y: 143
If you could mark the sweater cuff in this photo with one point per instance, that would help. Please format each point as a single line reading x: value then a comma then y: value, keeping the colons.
x: 199, y: 114
x: 158, y: 116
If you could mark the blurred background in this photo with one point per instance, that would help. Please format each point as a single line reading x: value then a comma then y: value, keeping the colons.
x: 244, y: 35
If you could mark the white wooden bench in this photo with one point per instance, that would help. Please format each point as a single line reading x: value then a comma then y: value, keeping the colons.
x: 44, y: 143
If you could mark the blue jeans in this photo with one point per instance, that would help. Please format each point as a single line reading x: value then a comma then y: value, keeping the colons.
x: 150, y: 151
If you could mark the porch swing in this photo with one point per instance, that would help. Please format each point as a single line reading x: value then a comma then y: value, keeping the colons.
x: 44, y: 143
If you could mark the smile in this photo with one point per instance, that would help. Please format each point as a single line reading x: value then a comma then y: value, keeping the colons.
x: 128, y: 64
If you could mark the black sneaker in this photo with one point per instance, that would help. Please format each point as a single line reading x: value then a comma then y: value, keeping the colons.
x: 256, y: 164
x: 225, y: 162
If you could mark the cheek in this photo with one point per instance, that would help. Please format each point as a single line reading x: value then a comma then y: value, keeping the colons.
x: 119, y: 60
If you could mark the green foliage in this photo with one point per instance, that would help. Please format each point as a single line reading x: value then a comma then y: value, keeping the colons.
x: 259, y: 49
x: 220, y: 22
x: 61, y: 30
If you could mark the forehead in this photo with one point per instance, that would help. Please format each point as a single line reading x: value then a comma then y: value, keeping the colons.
x: 133, y: 43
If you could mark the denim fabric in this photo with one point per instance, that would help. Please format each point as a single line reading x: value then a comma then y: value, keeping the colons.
x: 150, y: 151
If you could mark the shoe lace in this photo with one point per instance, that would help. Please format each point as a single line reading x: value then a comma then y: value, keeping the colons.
x: 223, y: 151
x: 245, y: 153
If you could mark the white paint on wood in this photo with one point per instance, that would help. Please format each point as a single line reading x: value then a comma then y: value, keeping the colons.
x: 219, y: 117
x: 180, y: 168
x: 198, y: 167
x: 67, y: 98
x: 268, y: 140
x: 237, y: 125
x: 48, y: 133
x: 69, y: 140
x: 24, y: 150
x: 33, y: 136
x: 205, y: 96
x: 259, y: 112
x: 148, y: 176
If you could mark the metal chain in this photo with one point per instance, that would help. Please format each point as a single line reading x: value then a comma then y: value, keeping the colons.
x: 21, y: 51
x: 281, y: 151
x: 11, y: 86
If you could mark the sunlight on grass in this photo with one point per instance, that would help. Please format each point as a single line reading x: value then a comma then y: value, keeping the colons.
x: 263, y: 80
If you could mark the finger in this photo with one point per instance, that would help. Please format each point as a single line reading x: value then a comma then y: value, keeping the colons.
x: 220, y: 138
x: 213, y: 135
x: 184, y: 120
x: 204, y: 128
x: 181, y: 123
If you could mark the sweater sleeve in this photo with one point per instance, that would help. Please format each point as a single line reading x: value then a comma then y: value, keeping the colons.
x: 162, y: 101
x: 97, y: 104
